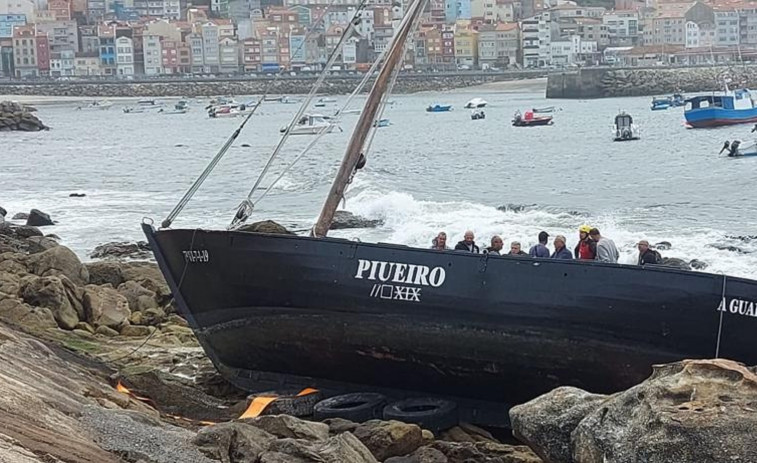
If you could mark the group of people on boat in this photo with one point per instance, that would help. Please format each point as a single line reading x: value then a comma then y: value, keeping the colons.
x: 591, y: 246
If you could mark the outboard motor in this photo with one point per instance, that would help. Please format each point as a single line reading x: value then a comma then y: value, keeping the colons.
x: 734, y: 148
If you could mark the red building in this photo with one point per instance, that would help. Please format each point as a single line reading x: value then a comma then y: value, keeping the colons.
x: 43, y: 55
x: 251, y: 55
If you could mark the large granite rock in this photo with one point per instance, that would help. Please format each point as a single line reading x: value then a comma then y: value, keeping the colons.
x: 50, y: 292
x: 59, y: 261
x: 484, y: 452
x: 122, y: 250
x: 346, y: 219
x: 387, y: 439
x: 38, y: 218
x: 104, y: 272
x: 233, y: 442
x: 17, y: 312
x: 14, y: 116
x: 103, y: 306
x: 265, y: 226
x: 285, y: 426
x: 702, y: 411
x: 342, y: 448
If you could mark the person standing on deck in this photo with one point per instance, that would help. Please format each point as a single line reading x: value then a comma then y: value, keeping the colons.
x: 586, y: 248
x: 606, y: 249
x: 540, y: 250
x: 561, y: 252
x: 467, y: 244
x: 496, y: 246
x: 648, y: 255
x: 440, y: 242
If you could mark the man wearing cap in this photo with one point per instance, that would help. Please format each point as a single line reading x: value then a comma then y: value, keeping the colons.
x: 561, y: 252
x: 606, y: 249
x: 586, y: 249
x: 648, y: 255
x: 540, y: 250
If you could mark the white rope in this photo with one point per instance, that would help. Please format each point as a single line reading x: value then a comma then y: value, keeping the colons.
x: 224, y: 149
x: 720, y: 323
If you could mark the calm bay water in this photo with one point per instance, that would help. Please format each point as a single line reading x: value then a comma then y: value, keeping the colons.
x: 426, y: 172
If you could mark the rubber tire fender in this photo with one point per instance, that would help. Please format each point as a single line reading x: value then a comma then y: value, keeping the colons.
x: 428, y: 413
x: 357, y: 407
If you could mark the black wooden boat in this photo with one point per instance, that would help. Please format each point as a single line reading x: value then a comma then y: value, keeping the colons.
x: 484, y: 330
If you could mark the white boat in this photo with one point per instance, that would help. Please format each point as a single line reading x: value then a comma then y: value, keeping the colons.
x: 327, y: 100
x: 476, y: 103
x: 146, y: 103
x: 477, y: 114
x: 229, y: 110
x: 313, y: 124
x: 625, y: 129
x: 104, y: 104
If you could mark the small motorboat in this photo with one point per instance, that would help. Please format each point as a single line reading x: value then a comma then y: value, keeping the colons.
x: 529, y: 120
x: 134, y: 110
x: 546, y: 109
x: 179, y: 108
x: 229, y: 110
x: 382, y: 123
x: 476, y: 103
x: 146, y: 103
x: 438, y: 108
x: 477, y: 114
x: 661, y: 103
x: 313, y: 124
x: 735, y: 150
x: 677, y: 100
x: 625, y: 130
x: 105, y: 104
x: 286, y: 100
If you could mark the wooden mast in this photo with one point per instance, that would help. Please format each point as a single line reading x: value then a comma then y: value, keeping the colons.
x: 364, y: 124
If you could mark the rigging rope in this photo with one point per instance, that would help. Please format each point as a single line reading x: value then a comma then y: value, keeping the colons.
x: 720, y: 323
x: 217, y: 158
x: 324, y: 130
x: 246, y: 207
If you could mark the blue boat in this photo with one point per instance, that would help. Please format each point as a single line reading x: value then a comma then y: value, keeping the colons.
x: 729, y: 108
x: 661, y: 103
x: 438, y: 108
x: 382, y: 123
x: 677, y: 100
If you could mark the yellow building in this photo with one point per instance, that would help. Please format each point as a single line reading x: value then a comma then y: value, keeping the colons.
x: 466, y: 45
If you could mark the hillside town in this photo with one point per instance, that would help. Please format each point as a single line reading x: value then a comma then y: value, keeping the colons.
x: 128, y: 38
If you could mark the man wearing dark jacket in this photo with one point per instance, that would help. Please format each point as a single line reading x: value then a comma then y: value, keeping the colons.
x: 647, y: 255
x: 467, y: 244
x: 561, y: 252
x: 540, y: 250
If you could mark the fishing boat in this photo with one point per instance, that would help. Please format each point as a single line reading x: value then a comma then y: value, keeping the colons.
x: 182, y: 107
x: 660, y: 103
x: 729, y: 108
x: 229, y: 110
x: 529, y: 120
x: 476, y: 103
x: 104, y: 104
x: 438, y: 108
x: 286, y: 310
x: 477, y: 114
x: 625, y: 130
x: 546, y: 109
x: 677, y: 100
x: 382, y: 123
x: 313, y: 124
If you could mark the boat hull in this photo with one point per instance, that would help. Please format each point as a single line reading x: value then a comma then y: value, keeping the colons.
x: 535, y: 122
x: 489, y: 329
x: 715, y: 117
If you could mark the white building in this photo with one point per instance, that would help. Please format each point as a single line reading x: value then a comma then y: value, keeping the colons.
x: 210, y: 48
x: 726, y: 28
x: 536, y: 36
x: 125, y: 56
x: 153, y: 55
x: 622, y: 27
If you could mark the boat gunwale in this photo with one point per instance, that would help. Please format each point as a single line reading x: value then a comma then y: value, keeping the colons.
x: 394, y: 246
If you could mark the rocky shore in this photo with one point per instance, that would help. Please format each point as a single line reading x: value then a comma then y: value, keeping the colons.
x: 14, y: 116
x: 609, y: 82
x: 200, y: 88
x: 96, y: 366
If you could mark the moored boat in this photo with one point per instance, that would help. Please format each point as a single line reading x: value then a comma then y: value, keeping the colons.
x: 625, y: 130
x: 477, y: 114
x: 337, y: 314
x: 660, y: 103
x: 313, y: 124
x: 476, y: 103
x: 677, y: 100
x: 545, y: 109
x: 382, y: 123
x: 529, y: 120
x: 229, y: 110
x: 438, y: 108
x: 97, y: 104
x: 728, y: 108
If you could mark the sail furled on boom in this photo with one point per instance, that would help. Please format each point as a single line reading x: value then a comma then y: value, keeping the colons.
x: 357, y: 142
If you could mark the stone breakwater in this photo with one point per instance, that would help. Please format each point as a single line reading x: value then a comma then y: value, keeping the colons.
x: 607, y: 82
x: 289, y: 85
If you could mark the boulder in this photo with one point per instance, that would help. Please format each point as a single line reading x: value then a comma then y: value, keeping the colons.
x: 285, y: 426
x: 697, y: 264
x: 20, y: 216
x: 342, y: 448
x: 148, y: 275
x: 59, y: 261
x: 233, y: 442
x: 50, y: 292
x: 86, y: 327
x: 387, y: 439
x: 38, y: 218
x: 106, y: 331
x: 101, y: 273
x: 422, y: 455
x: 122, y: 250
x: 690, y: 411
x: 10, y: 284
x: 265, y: 226
x: 103, y: 306
x: 3, y: 212
x: 27, y: 231
x: 675, y: 263
x: 41, y: 243
x: 485, y: 452
x: 340, y: 425
x: 140, y: 299
x: 545, y: 424
x: 345, y: 219
x: 16, y: 312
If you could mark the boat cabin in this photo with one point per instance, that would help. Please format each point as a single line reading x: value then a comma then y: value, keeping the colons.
x: 738, y: 99
x: 623, y: 121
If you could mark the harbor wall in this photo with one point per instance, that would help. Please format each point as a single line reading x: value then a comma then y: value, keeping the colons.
x: 337, y: 85
x: 615, y: 82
